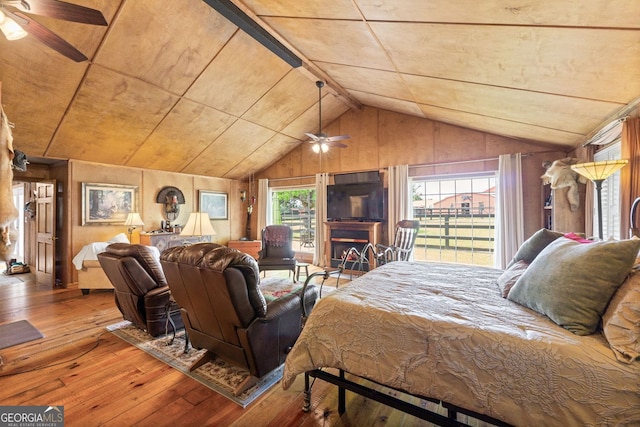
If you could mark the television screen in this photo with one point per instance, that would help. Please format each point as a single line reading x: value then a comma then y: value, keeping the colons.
x: 357, y: 202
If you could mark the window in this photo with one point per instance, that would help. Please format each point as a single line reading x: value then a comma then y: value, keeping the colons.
x: 296, y: 207
x: 457, y: 219
x: 610, y: 196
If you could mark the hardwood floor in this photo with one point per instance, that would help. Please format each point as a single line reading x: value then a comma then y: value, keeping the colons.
x: 102, y: 380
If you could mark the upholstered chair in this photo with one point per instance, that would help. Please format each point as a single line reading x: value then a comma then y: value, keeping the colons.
x: 141, y: 291
x: 277, y: 249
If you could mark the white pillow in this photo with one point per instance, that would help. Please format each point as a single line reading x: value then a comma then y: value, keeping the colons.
x: 119, y: 238
x: 621, y: 320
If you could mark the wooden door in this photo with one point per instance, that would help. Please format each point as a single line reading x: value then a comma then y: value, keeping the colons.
x: 45, y: 233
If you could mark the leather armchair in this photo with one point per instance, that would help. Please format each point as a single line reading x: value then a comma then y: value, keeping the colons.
x: 224, y: 311
x: 141, y: 291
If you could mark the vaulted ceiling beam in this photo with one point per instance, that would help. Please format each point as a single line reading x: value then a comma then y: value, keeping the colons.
x: 230, y: 11
x: 236, y: 12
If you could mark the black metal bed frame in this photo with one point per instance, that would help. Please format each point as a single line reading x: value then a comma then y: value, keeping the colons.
x: 423, y: 413
x: 344, y: 384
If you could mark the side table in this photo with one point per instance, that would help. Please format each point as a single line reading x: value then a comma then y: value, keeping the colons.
x: 300, y: 265
x: 251, y: 247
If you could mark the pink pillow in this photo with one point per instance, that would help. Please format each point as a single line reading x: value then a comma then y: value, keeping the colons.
x: 574, y: 236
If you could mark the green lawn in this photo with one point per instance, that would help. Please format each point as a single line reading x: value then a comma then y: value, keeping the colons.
x: 459, y: 239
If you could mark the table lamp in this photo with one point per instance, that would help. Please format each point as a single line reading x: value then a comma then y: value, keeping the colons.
x: 598, y: 172
x: 133, y: 220
x: 198, y: 224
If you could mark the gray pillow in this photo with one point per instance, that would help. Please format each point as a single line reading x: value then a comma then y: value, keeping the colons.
x: 509, y: 277
x: 530, y: 249
x: 572, y: 282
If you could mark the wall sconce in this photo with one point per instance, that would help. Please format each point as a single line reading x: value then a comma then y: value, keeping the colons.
x: 243, y: 195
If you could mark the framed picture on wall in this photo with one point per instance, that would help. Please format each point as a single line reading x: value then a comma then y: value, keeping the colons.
x: 214, y: 203
x: 107, y: 203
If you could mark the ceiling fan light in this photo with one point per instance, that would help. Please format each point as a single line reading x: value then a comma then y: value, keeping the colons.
x: 316, y: 147
x: 324, y: 147
x: 10, y: 28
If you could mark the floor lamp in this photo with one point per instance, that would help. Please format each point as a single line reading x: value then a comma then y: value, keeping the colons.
x: 598, y: 172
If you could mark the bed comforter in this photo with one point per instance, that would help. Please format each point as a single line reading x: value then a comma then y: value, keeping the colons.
x: 443, y: 331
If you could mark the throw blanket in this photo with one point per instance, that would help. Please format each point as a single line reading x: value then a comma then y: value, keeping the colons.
x: 443, y: 331
x: 276, y: 235
x: 90, y: 252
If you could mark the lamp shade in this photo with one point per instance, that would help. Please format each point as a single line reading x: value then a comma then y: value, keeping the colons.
x: 597, y: 171
x: 198, y: 224
x: 133, y: 219
x: 10, y: 28
x: 318, y: 147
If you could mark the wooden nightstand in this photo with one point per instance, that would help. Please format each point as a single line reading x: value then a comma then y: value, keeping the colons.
x: 250, y: 247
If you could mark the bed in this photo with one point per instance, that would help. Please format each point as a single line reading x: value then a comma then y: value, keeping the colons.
x: 90, y: 273
x: 444, y: 332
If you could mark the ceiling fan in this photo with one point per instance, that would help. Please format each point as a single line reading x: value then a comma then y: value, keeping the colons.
x: 16, y: 25
x: 321, y: 141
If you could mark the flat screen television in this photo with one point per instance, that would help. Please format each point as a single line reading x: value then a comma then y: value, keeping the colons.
x: 356, y: 202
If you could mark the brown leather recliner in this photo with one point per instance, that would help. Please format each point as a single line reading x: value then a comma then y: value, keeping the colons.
x: 224, y: 311
x: 141, y: 291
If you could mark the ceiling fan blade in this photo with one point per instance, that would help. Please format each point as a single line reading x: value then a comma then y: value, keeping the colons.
x: 313, y: 136
x: 50, y: 39
x: 337, y: 138
x: 61, y: 10
x: 337, y: 144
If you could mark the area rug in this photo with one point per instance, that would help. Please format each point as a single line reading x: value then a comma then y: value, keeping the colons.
x: 275, y: 287
x: 17, y: 333
x: 7, y: 279
x: 220, y: 376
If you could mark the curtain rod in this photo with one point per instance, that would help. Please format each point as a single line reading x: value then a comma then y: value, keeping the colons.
x: 451, y: 163
x: 291, y: 178
x: 330, y: 174
x: 524, y: 155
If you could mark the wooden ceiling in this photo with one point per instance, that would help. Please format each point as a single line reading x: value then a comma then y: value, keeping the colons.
x: 175, y: 86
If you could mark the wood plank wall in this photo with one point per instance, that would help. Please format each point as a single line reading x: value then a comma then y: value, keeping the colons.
x: 381, y: 138
x: 72, y: 235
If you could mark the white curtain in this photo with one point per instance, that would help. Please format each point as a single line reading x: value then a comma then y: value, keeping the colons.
x: 264, y: 207
x: 322, y: 180
x: 509, y: 229
x: 399, y: 198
